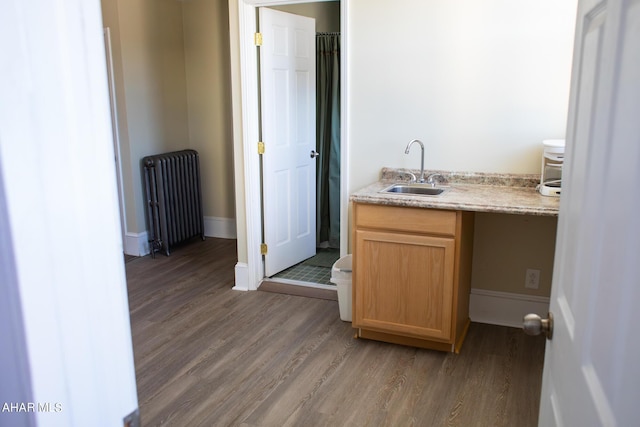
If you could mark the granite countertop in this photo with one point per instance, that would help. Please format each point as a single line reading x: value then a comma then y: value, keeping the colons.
x: 466, y: 191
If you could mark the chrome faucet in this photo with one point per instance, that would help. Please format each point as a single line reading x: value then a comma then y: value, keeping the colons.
x: 434, y: 178
x: 406, y: 151
x: 412, y: 177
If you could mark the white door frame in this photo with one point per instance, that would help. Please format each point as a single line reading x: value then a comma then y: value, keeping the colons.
x: 116, y: 138
x: 250, y: 134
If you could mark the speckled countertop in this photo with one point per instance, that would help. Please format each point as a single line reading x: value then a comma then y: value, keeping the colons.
x: 467, y: 191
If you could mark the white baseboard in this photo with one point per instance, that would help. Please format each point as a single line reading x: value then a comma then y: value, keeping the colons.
x: 223, y: 228
x: 136, y: 244
x: 242, y: 277
x: 504, y: 308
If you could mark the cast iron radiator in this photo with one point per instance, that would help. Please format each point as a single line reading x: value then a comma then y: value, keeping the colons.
x: 174, y: 198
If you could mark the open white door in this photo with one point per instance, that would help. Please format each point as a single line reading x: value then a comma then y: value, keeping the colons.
x: 59, y: 229
x: 288, y: 81
x: 592, y: 371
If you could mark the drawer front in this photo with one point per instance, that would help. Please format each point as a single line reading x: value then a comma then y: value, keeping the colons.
x: 415, y: 220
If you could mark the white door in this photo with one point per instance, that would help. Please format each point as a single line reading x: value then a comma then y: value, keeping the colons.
x: 66, y: 271
x: 592, y: 363
x: 288, y: 81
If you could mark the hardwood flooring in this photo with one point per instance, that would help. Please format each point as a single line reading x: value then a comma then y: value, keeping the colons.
x: 206, y: 355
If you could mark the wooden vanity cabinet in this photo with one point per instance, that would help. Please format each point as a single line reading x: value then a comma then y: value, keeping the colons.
x: 411, y: 275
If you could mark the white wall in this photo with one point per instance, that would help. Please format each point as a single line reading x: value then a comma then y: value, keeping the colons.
x: 481, y: 83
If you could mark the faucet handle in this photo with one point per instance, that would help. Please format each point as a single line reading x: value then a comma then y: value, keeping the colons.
x: 412, y: 177
x: 436, y: 178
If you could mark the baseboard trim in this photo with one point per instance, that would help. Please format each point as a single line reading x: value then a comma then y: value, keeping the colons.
x: 242, y: 277
x: 223, y: 228
x: 136, y: 244
x: 504, y: 308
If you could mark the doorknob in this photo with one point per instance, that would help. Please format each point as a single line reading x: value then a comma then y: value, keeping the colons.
x: 314, y: 154
x: 535, y: 325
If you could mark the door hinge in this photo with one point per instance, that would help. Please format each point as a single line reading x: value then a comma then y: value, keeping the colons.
x: 263, y: 249
x: 257, y: 39
x: 260, y: 147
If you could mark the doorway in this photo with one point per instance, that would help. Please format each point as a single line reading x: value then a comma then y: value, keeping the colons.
x: 300, y: 115
x: 250, y: 268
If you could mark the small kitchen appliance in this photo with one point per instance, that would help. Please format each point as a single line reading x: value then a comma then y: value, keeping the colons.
x: 552, y: 160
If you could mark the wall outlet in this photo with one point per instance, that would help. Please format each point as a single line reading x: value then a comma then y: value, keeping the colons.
x: 532, y: 279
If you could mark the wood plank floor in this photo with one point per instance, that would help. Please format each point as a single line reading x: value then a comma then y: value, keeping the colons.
x: 206, y: 355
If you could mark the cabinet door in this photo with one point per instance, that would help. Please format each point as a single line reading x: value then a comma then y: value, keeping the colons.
x: 404, y: 284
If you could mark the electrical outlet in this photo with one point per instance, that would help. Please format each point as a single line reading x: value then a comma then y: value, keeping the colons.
x: 532, y: 279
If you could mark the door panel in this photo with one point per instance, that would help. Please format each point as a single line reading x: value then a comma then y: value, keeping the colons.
x: 591, y: 375
x: 287, y: 74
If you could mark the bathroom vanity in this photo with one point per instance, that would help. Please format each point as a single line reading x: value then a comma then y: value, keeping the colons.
x: 412, y: 254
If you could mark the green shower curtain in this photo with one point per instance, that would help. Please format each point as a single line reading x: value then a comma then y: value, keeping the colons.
x: 328, y: 138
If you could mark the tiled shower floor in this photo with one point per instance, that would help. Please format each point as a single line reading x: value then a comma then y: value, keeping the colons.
x: 304, y: 272
x: 307, y: 273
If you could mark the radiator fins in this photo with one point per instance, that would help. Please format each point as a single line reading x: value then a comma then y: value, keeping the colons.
x: 174, y: 199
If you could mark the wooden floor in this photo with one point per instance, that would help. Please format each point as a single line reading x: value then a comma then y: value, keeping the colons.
x: 206, y: 355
